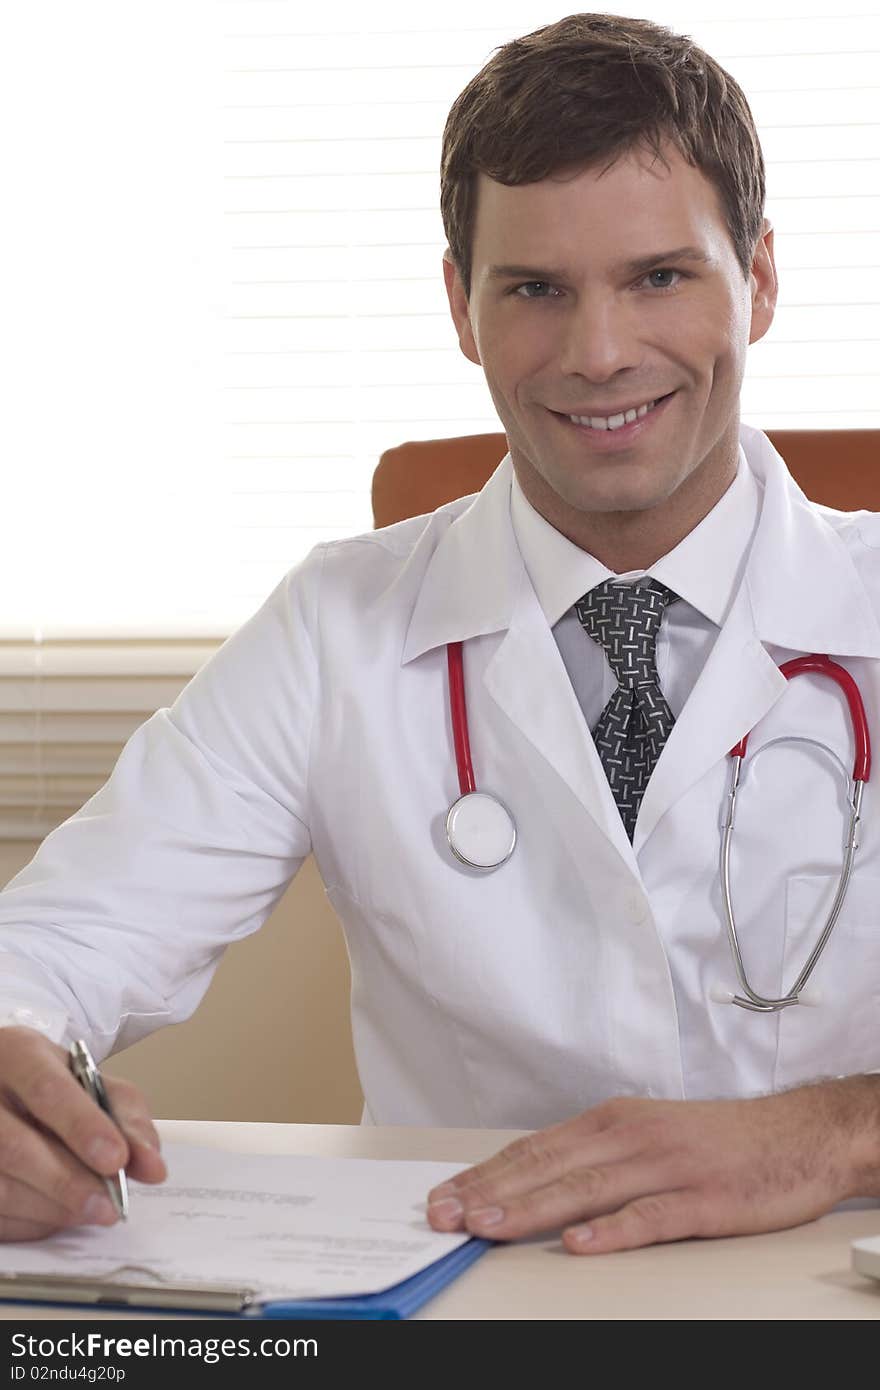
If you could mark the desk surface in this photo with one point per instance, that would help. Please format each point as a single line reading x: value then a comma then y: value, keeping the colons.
x: 799, y: 1274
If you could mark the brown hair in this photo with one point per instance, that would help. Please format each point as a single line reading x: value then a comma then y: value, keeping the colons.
x: 586, y: 91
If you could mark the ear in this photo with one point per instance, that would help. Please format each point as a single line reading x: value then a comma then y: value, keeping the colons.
x: 459, y: 309
x: 765, y: 286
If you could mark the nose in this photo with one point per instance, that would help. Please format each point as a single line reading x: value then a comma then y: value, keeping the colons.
x: 600, y: 339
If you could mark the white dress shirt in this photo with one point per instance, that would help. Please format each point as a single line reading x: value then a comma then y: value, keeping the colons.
x: 705, y: 570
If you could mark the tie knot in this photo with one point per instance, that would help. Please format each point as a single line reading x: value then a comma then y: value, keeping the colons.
x: 624, y: 620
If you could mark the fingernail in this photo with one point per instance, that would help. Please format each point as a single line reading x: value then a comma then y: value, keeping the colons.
x: 145, y: 1134
x: 98, y: 1210
x: 447, y: 1210
x: 104, y: 1153
x: 486, y: 1216
x: 446, y: 1189
x: 581, y: 1235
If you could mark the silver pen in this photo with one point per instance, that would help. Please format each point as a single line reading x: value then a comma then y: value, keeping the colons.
x: 83, y: 1066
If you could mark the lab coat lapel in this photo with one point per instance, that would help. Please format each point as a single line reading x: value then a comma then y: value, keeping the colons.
x: 737, y: 686
x: 801, y: 591
x: 475, y: 583
x: 528, y: 681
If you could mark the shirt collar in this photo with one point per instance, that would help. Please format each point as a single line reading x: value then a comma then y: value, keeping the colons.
x: 705, y: 568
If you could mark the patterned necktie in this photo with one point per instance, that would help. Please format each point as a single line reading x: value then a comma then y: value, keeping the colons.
x: 624, y: 619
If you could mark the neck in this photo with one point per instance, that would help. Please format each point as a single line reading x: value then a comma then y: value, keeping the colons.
x: 635, y: 539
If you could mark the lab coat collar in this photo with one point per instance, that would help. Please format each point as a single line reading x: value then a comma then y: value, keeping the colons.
x: 473, y: 577
x: 802, y: 584
x: 801, y: 589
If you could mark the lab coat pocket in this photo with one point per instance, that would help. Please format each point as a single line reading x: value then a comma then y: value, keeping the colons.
x: 836, y: 1031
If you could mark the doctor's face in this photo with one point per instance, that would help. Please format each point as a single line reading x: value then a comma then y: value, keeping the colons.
x: 595, y: 295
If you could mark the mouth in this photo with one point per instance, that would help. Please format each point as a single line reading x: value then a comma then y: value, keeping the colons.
x: 611, y: 432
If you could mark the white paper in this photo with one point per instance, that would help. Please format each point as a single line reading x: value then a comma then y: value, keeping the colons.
x: 283, y: 1226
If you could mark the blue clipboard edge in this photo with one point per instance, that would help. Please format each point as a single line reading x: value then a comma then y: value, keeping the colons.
x: 397, y: 1302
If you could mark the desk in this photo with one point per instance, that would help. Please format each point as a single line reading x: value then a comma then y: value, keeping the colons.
x: 799, y: 1274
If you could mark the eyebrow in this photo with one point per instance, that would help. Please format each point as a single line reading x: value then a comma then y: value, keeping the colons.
x: 530, y: 272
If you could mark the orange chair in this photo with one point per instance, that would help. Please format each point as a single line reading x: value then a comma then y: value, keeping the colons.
x: 840, y: 468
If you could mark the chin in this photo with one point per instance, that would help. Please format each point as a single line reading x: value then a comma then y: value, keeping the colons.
x: 613, y: 493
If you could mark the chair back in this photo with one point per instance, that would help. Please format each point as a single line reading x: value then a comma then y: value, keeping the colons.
x: 839, y: 468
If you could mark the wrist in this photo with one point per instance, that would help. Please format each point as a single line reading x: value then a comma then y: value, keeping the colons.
x: 856, y: 1102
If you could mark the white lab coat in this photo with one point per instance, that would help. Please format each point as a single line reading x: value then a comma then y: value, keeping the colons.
x: 585, y: 967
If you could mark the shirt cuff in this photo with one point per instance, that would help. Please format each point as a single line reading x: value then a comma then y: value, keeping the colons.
x: 27, y: 999
x: 51, y: 1022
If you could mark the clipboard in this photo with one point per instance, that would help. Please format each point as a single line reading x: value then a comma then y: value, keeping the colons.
x: 398, y: 1301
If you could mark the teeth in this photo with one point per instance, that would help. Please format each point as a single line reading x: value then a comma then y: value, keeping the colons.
x: 612, y: 422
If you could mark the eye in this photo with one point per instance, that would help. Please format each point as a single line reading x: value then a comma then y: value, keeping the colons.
x: 664, y: 270
x: 535, y: 289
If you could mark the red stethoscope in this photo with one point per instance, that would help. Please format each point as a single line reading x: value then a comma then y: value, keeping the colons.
x: 480, y: 829
x: 482, y: 833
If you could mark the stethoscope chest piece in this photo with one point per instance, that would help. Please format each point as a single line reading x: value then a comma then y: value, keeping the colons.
x: 480, y: 831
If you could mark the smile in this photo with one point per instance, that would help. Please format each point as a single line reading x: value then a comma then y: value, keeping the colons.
x: 617, y: 421
x: 612, y: 433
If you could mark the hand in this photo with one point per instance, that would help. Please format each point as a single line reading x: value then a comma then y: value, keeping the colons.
x: 633, y: 1172
x: 55, y: 1141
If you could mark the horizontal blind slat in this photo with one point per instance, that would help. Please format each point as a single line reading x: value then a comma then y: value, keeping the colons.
x: 66, y: 711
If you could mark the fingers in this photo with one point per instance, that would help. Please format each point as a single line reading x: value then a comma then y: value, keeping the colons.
x: 580, y: 1176
x: 620, y: 1206
x: 535, y: 1149
x: 649, y: 1220
x: 37, y: 1074
x: 145, y: 1162
x: 19, y: 1202
x: 529, y: 1161
x: 547, y: 1178
x: 14, y: 1228
x: 40, y: 1181
x: 578, y: 1194
x: 56, y: 1144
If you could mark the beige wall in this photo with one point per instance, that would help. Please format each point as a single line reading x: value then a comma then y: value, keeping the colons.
x: 271, y: 1039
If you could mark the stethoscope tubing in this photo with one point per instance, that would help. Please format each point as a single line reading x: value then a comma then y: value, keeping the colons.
x: 458, y: 710
x: 824, y: 666
x: 819, y: 665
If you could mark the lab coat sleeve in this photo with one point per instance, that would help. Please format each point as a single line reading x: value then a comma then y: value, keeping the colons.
x: 118, y: 923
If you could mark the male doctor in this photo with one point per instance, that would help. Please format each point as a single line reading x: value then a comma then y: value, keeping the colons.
x: 625, y: 588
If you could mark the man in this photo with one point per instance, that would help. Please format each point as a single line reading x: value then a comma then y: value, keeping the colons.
x: 624, y: 588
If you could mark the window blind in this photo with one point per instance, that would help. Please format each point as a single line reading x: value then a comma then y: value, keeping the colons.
x: 66, y: 709
x: 224, y: 301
